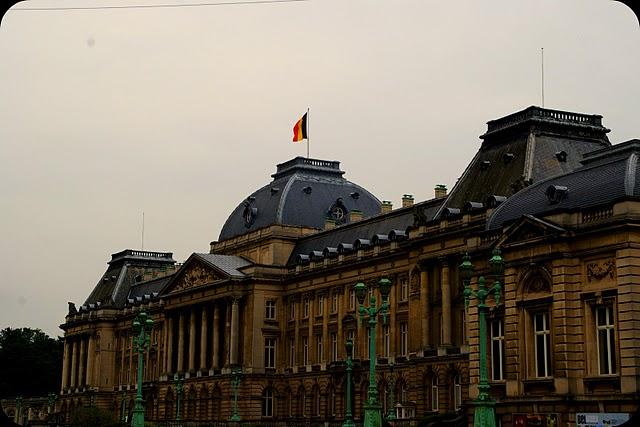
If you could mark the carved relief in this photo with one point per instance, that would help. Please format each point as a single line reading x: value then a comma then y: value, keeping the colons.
x: 598, y: 271
x: 415, y: 282
x: 196, y: 276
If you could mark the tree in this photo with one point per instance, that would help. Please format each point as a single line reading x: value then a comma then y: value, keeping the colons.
x: 30, y: 362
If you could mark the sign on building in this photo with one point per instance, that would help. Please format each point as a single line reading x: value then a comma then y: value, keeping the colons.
x: 594, y: 419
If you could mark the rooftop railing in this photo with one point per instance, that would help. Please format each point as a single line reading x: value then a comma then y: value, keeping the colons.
x: 544, y: 114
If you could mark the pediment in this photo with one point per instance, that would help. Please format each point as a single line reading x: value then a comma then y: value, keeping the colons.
x: 527, y: 229
x: 194, y: 274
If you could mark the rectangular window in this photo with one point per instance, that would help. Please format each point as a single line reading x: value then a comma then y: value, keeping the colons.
x: 351, y: 335
x: 387, y: 341
x: 352, y: 299
x: 435, y: 406
x: 270, y: 310
x: 292, y: 311
x: 305, y: 308
x: 497, y: 350
x: 334, y: 303
x: 319, y: 355
x: 404, y: 339
x: 457, y: 393
x: 292, y: 352
x: 334, y: 346
x: 269, y: 352
x: 404, y: 289
x: 542, y: 337
x: 305, y: 350
x: 606, y: 340
x: 320, y: 306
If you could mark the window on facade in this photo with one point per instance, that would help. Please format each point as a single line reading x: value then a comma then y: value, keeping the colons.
x: 292, y: 352
x: 270, y: 310
x: 292, y: 311
x: 352, y: 299
x: 267, y: 403
x: 334, y: 346
x: 269, y: 352
x: 319, y: 355
x: 606, y: 340
x: 457, y: 393
x: 320, y: 306
x: 542, y: 337
x: 290, y: 403
x: 334, y: 303
x: 497, y: 350
x: 434, y: 394
x: 351, y: 335
x: 404, y: 289
x: 404, y: 339
x: 316, y: 402
x: 387, y: 341
x: 331, y: 402
x: 305, y: 308
x: 305, y: 350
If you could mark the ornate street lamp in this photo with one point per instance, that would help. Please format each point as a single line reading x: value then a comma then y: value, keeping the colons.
x: 391, y: 413
x: 373, y: 409
x: 142, y: 326
x: 348, y: 416
x: 484, y: 415
x: 179, y: 385
x: 18, y: 417
x: 236, y: 374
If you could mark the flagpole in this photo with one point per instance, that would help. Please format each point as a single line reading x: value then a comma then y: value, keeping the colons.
x: 308, y: 133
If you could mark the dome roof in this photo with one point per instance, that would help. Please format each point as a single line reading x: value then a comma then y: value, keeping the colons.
x: 303, y: 192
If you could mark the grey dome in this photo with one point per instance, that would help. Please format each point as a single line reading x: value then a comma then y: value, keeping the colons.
x: 303, y: 192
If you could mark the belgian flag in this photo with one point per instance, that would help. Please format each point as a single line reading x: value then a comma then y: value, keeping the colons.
x: 300, y: 129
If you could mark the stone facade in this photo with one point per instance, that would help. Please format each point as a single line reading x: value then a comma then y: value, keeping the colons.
x: 564, y: 339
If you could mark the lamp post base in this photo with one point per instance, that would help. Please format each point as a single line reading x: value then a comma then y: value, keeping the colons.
x: 349, y: 423
x: 373, y: 415
x: 484, y: 414
x: 137, y: 418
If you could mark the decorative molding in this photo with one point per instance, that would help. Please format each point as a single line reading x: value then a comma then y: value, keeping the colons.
x: 598, y: 271
x: 195, y: 276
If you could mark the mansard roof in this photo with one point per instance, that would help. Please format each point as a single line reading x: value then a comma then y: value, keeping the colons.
x: 524, y: 148
x: 303, y: 192
x: 607, y: 176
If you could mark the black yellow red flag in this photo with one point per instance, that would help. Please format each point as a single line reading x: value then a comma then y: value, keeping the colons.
x: 300, y: 129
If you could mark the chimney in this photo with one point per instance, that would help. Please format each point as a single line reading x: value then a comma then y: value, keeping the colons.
x: 441, y: 191
x: 355, y: 215
x: 386, y: 207
x: 407, y: 200
x: 329, y: 224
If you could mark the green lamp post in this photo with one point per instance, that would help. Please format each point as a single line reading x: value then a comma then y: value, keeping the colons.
x: 348, y: 415
x: 372, y: 408
x: 236, y: 374
x: 179, y: 384
x: 391, y: 413
x: 484, y: 414
x: 18, y: 416
x: 142, y: 325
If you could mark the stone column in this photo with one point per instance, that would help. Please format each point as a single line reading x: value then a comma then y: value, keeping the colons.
x: 312, y: 338
x: 326, y: 345
x: 65, y: 366
x: 235, y: 327
x: 132, y: 374
x: 169, y: 346
x: 123, y: 352
x: 215, y: 363
x: 341, y: 341
x: 74, y: 363
x: 297, y: 312
x: 446, y: 303
x: 424, y: 305
x: 81, y: 373
x: 180, y: 367
x: 203, y: 340
x: 91, y: 350
x: 192, y: 341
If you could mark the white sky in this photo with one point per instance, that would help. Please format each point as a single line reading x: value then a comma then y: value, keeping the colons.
x: 183, y: 112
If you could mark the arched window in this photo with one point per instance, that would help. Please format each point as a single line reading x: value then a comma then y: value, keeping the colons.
x: 316, y: 401
x: 289, y: 409
x: 302, y: 402
x: 267, y: 402
x: 331, y: 402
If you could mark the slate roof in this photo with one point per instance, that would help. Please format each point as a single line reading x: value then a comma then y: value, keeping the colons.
x: 607, y: 175
x: 301, y: 193
x: 525, y: 147
x: 122, y: 271
x: 228, y: 264
x: 149, y: 287
x: 398, y: 219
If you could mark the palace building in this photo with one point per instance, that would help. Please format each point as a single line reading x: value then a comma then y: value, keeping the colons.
x: 274, y: 296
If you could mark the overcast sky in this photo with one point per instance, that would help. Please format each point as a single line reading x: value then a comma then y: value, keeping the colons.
x: 183, y: 112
